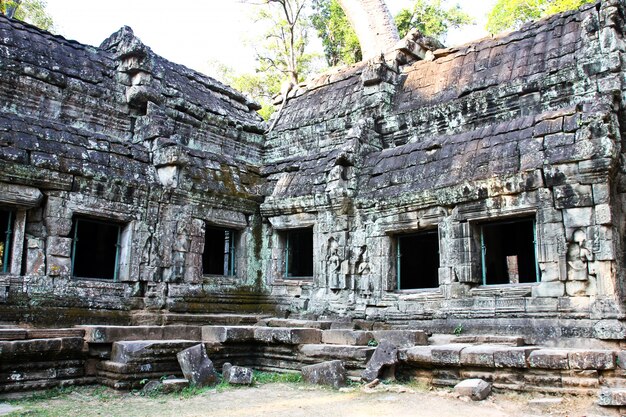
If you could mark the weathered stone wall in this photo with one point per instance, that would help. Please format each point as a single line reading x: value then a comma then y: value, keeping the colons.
x: 120, y: 134
x: 525, y: 124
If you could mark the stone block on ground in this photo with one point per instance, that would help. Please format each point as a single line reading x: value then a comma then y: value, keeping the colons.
x: 237, y: 375
x: 197, y: 367
x: 475, y: 388
x: 151, y: 387
x: 383, y: 360
x: 612, y: 397
x: 174, y: 385
x: 331, y: 373
x: 346, y: 337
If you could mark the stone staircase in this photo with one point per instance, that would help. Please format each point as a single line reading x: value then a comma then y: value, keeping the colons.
x: 34, y: 359
x: 123, y: 356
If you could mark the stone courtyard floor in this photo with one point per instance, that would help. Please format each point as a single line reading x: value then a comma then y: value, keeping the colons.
x: 295, y: 400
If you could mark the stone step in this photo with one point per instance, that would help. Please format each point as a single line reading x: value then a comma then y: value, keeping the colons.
x: 12, y: 334
x: 228, y: 334
x: 214, y: 319
x: 313, y: 324
x: 502, y: 356
x: 168, y: 367
x: 347, y: 337
x: 52, y: 333
x: 45, y: 348
x: 142, y: 351
x: 110, y: 334
x: 402, y: 338
x: 490, y: 340
x: 343, y: 352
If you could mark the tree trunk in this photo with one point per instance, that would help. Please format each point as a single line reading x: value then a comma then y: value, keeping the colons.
x: 373, y: 24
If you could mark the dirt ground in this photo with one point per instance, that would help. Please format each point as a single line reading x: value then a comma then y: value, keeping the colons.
x: 295, y: 400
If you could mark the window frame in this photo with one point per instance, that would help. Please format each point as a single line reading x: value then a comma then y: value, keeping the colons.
x: 398, y: 239
x: 287, y: 237
x: 232, y: 251
x: 118, y: 247
x: 483, y: 249
x: 8, y: 242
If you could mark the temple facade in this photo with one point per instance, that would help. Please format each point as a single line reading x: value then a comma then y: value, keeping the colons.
x: 478, y: 187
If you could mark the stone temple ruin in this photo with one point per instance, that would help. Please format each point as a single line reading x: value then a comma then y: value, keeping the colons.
x: 476, y: 190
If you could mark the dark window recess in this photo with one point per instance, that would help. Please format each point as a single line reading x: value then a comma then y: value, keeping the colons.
x: 418, y: 261
x: 96, y: 249
x: 218, y: 257
x: 299, y: 253
x: 508, y: 252
x: 6, y: 236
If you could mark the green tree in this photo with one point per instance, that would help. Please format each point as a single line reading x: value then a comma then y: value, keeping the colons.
x: 341, y: 45
x: 511, y: 14
x: 431, y: 18
x: 29, y: 11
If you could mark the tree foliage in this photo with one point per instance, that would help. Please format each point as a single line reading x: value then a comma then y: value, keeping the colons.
x: 341, y: 45
x: 431, y: 18
x: 511, y: 14
x: 283, y: 49
x: 29, y: 11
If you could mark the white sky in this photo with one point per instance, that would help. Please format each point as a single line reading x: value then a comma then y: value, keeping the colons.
x: 197, y: 32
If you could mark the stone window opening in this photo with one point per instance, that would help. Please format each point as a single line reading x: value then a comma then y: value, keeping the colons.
x: 218, y: 257
x: 417, y: 260
x: 7, y: 219
x: 508, y: 252
x: 96, y: 249
x: 299, y: 253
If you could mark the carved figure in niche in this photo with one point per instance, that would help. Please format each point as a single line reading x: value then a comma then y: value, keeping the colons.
x: 578, y: 257
x: 333, y: 265
x: 362, y: 270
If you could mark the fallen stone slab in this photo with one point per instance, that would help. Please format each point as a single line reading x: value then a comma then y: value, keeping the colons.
x: 402, y: 338
x: 237, y: 375
x: 197, y: 367
x: 331, y: 373
x: 151, y: 387
x: 174, y: 385
x: 383, y: 361
x: 612, y: 397
x: 475, y: 388
x: 227, y: 334
x: 347, y: 337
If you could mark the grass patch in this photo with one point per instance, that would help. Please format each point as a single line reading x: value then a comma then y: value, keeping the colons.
x: 48, y: 394
x: 274, y: 377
